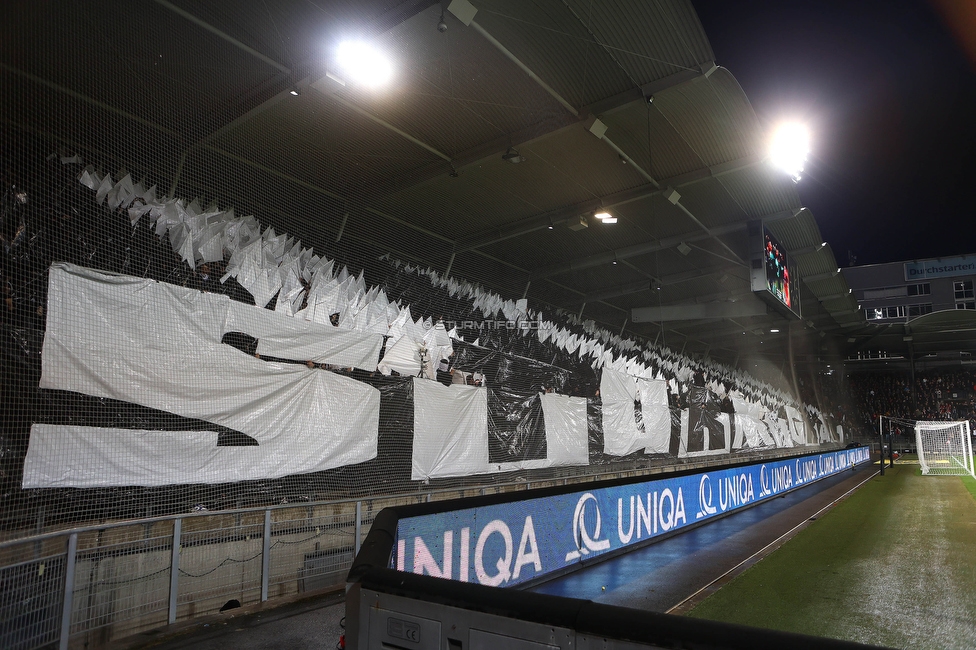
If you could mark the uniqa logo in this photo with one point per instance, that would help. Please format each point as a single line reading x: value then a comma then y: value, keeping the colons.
x: 705, y: 506
x: 584, y: 541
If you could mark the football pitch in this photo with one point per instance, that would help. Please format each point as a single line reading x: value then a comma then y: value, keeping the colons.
x: 892, y: 565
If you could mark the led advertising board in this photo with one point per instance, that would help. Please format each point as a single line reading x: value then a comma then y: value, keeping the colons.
x: 510, y: 543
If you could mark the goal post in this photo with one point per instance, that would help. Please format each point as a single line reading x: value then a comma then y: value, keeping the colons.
x: 944, y: 448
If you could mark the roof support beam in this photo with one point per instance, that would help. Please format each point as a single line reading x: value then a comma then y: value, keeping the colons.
x: 230, y: 39
x: 557, y: 217
x: 647, y: 247
x: 465, y: 12
x: 714, y: 310
x: 546, y: 128
x: 633, y: 251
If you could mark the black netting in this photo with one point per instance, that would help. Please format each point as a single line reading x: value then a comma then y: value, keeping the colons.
x: 127, y: 136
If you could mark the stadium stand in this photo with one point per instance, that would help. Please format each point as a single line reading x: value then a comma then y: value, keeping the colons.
x: 204, y: 404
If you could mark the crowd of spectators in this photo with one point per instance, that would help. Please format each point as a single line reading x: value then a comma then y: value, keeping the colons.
x: 937, y: 395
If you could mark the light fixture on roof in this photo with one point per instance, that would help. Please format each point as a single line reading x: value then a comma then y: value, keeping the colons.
x: 294, y: 91
x: 364, y: 63
x: 512, y: 156
x: 789, y: 147
x: 442, y: 24
x: 684, y: 248
x: 605, y: 217
x: 774, y: 331
x: 551, y: 225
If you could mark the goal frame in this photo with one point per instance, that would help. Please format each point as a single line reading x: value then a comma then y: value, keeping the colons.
x: 956, y: 456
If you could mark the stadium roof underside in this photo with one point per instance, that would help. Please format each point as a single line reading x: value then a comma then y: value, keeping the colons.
x: 203, y: 90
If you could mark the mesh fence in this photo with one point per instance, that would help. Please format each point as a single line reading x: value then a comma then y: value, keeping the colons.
x: 164, y: 352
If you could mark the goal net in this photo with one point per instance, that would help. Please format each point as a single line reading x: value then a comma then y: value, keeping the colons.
x: 944, y: 448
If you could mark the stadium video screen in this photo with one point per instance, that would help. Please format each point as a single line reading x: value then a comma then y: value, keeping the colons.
x: 780, y: 277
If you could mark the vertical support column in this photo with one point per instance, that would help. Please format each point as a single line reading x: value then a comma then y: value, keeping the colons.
x: 359, y: 526
x: 266, y: 555
x: 792, y: 361
x: 342, y: 226
x: 911, y: 360
x: 174, y: 569
x: 881, y: 442
x: 450, y: 264
x: 69, y: 589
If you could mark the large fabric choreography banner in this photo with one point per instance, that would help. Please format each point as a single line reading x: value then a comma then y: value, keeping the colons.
x: 159, y: 346
x: 510, y: 543
x: 456, y: 428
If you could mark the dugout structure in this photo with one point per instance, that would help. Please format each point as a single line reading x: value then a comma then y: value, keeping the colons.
x: 944, y: 448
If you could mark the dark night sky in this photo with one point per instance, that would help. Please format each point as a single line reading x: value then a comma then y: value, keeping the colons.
x: 890, y: 99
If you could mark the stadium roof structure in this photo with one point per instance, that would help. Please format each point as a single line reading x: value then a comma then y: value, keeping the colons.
x: 938, y: 337
x: 616, y: 106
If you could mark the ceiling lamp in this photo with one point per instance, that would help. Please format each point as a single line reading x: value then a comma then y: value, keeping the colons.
x: 512, y: 156
x: 364, y: 63
x: 605, y: 217
x: 789, y: 147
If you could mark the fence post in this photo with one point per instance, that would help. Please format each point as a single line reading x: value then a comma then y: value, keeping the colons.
x: 359, y: 526
x: 174, y: 569
x: 266, y: 555
x: 69, y: 589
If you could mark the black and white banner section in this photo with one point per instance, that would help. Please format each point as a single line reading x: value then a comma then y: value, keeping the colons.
x: 751, y: 431
x: 635, y: 414
x: 159, y: 346
x: 510, y: 543
x: 705, y: 429
x: 462, y: 430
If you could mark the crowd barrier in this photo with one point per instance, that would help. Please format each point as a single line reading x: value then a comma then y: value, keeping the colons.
x: 429, y: 576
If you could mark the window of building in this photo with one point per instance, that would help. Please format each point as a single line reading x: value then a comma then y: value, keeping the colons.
x: 923, y: 289
x: 963, y: 290
x: 965, y: 304
x: 919, y: 310
x: 881, y: 313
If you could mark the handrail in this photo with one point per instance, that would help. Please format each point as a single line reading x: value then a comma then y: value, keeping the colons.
x: 704, y: 461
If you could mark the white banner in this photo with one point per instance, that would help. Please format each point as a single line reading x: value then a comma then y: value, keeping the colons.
x: 450, y: 430
x: 618, y: 392
x: 158, y: 345
x: 656, y: 415
x: 288, y: 337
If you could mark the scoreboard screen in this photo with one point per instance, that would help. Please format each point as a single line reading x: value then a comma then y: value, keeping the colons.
x: 774, y: 275
x: 777, y: 270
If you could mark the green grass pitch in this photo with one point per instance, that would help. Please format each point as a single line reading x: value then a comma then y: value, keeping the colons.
x: 893, y: 565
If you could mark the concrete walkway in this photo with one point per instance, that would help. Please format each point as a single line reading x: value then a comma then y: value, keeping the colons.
x: 312, y: 623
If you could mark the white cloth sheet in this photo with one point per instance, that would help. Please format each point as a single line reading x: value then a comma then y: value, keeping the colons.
x: 450, y: 430
x: 158, y: 345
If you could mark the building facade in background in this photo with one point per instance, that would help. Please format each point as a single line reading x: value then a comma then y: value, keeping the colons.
x: 901, y: 291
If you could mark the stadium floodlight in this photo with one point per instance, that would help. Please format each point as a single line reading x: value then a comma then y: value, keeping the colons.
x: 605, y: 217
x: 944, y: 448
x: 364, y: 63
x: 789, y: 147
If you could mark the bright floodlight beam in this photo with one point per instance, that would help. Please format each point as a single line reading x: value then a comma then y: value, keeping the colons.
x: 789, y: 148
x: 364, y: 63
